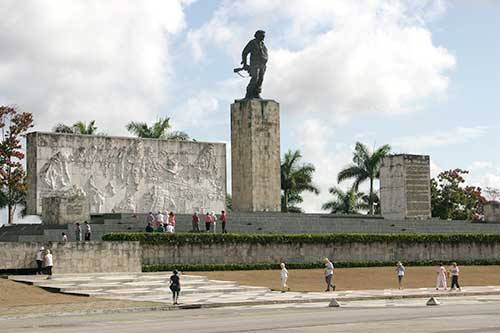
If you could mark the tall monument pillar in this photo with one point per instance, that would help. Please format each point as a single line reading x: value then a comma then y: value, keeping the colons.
x: 255, y: 155
x: 405, y: 187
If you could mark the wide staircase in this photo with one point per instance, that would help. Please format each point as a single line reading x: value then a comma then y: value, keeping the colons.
x: 254, y: 223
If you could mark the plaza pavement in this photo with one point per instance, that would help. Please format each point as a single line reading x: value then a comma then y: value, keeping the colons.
x: 199, y: 292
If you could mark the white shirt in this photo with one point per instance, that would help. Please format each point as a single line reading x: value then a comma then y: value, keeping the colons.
x: 328, y: 268
x: 39, y: 255
x: 160, y: 218
x: 87, y: 229
x: 441, y: 271
x: 170, y: 228
x: 48, y: 260
x: 284, y: 273
x: 65, y: 238
x: 455, y: 271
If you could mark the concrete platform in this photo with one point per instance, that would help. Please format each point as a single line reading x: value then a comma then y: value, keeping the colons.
x: 199, y: 292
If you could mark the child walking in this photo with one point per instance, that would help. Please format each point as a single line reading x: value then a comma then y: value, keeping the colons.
x: 441, y: 277
x: 284, y: 278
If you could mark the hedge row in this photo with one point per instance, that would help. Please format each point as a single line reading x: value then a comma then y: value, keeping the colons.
x: 310, y: 265
x: 262, y: 239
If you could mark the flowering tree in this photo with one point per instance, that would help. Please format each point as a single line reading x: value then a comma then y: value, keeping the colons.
x: 12, y: 175
x: 452, y: 200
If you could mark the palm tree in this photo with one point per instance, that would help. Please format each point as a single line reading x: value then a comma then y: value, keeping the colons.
x: 82, y: 128
x: 366, y: 166
x: 159, y: 130
x: 345, y: 202
x: 295, y: 179
x: 78, y: 128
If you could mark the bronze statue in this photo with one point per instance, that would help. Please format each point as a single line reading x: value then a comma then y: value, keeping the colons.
x: 257, y: 67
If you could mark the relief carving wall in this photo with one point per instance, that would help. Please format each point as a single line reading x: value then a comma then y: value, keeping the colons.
x: 126, y: 174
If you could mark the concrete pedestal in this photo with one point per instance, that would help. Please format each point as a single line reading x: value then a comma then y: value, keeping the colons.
x: 405, y: 189
x: 255, y: 155
x: 65, y: 209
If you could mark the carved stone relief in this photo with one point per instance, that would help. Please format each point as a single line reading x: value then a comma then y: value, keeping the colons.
x: 133, y: 175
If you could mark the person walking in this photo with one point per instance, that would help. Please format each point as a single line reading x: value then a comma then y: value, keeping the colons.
x: 213, y: 219
x: 49, y: 262
x: 159, y: 219
x: 284, y: 278
x: 88, y: 231
x: 64, y: 237
x: 400, y: 272
x: 208, y: 221
x: 39, y: 260
x: 441, y: 277
x: 78, y: 232
x: 223, y: 219
x: 175, y: 286
x: 455, y: 272
x: 329, y: 274
x: 196, y: 222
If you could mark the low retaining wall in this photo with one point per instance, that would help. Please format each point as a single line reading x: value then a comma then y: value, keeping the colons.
x: 75, y: 257
x: 242, y: 253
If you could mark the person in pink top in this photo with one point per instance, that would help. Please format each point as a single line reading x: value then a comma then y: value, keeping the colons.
x: 208, y: 221
x: 171, y: 219
x: 223, y: 219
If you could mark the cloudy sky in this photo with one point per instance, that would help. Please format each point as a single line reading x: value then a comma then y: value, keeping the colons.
x: 422, y: 77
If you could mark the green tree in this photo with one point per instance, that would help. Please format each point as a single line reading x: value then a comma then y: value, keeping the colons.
x: 13, y: 125
x: 87, y: 129
x: 366, y: 166
x: 159, y: 130
x: 295, y: 179
x: 344, y: 202
x: 79, y: 127
x: 451, y: 199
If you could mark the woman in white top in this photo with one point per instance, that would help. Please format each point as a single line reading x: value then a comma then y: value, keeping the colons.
x: 441, y: 277
x: 455, y: 272
x: 213, y: 221
x: 284, y: 278
x: 400, y: 271
x: 48, y: 264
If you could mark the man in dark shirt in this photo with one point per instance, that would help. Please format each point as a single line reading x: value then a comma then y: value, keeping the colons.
x: 258, y: 61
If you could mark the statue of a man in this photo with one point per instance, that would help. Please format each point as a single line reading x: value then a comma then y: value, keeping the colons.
x: 257, y: 67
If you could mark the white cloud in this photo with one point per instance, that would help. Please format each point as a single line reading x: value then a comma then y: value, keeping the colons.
x: 458, y: 135
x: 342, y: 57
x: 84, y: 59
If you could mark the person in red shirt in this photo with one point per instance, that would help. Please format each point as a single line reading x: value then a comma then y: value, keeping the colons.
x: 196, y: 222
x: 208, y: 221
x: 223, y: 218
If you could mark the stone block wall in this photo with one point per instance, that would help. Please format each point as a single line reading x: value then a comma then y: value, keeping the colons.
x: 255, y: 156
x: 405, y: 187
x: 65, y: 209
x: 492, y: 211
x: 75, y: 257
x: 126, y: 174
x: 303, y: 253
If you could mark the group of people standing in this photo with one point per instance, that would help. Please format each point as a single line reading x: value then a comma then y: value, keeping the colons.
x: 442, y: 274
x: 210, y: 222
x: 161, y: 222
x: 85, y: 232
x: 44, y: 260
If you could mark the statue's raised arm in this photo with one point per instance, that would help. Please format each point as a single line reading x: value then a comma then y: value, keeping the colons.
x: 257, y: 67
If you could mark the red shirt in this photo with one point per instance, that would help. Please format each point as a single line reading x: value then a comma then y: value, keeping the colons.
x: 223, y: 217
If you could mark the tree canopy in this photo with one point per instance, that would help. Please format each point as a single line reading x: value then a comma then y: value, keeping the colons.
x: 295, y: 179
x: 451, y: 199
x: 159, y: 130
x: 13, y: 125
x: 366, y: 166
x: 344, y: 202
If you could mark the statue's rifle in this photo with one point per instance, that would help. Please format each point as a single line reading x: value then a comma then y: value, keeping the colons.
x: 245, y: 68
